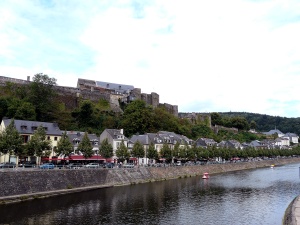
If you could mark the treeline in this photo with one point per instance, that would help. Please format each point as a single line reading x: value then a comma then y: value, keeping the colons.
x: 38, y: 101
x: 265, y: 123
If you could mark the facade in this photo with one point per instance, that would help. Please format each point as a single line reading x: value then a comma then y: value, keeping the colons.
x: 230, y: 144
x: 159, y: 139
x: 205, y: 142
x: 114, y: 137
x: 26, y: 129
x: 294, y: 138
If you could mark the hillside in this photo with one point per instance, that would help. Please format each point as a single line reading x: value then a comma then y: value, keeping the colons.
x: 266, y: 122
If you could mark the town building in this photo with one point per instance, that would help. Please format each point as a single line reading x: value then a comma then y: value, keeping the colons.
x: 26, y: 129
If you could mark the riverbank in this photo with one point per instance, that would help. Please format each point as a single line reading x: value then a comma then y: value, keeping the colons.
x: 292, y: 213
x: 23, y: 184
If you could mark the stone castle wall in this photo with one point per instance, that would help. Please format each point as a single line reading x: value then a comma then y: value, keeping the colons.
x: 70, y: 95
x: 197, y: 118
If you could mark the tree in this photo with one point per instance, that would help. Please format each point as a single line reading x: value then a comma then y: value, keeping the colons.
x: 64, y: 146
x: 240, y: 123
x: 166, y: 152
x: 216, y: 119
x: 176, y: 150
x: 152, y: 153
x: 122, y: 152
x: 38, y: 145
x: 85, y: 146
x: 26, y: 111
x: 10, y: 140
x: 106, y: 149
x: 85, y: 117
x: 41, y: 95
x: 253, y: 125
x: 138, y: 150
x: 137, y: 118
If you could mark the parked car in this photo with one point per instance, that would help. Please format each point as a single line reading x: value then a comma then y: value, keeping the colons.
x: 7, y: 165
x: 108, y: 165
x: 128, y: 165
x: 74, y: 166
x: 92, y: 165
x: 27, y: 164
x: 47, y: 166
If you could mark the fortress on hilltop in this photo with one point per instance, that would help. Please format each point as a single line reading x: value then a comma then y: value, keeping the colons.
x: 96, y: 90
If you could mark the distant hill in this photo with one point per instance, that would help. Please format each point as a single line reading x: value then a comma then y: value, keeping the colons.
x: 265, y: 122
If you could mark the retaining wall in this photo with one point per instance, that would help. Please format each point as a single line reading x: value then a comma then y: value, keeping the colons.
x: 23, y: 182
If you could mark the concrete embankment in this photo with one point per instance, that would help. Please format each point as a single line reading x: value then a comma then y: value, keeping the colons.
x: 292, y: 213
x: 23, y: 184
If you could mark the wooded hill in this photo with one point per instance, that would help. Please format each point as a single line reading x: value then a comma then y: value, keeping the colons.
x: 265, y: 123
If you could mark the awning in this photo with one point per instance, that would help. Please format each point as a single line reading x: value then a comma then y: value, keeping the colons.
x: 80, y: 157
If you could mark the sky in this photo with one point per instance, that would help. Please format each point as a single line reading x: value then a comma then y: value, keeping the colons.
x: 204, y: 56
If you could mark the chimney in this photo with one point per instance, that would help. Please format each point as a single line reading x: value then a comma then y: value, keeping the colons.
x: 28, y: 78
x: 121, y: 131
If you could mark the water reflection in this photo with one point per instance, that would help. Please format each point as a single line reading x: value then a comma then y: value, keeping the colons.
x: 245, y: 197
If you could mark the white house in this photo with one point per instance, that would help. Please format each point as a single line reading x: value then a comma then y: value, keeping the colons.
x: 114, y: 137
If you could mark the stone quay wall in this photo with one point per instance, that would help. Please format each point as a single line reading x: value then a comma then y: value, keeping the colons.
x: 20, y: 184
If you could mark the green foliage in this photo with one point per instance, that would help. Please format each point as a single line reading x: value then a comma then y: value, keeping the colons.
x: 202, y: 131
x: 266, y: 122
x: 166, y: 152
x: 85, y: 146
x: 64, y: 146
x: 38, y: 145
x: 122, y: 152
x: 11, y: 141
x: 137, y: 118
x: 106, y: 149
x: 152, y: 153
x: 41, y: 94
x: 138, y: 150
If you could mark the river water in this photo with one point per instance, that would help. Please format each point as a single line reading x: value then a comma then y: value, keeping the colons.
x: 249, y: 197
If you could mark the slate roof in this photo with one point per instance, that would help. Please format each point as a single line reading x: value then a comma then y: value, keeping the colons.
x: 74, y: 135
x: 28, y: 127
x: 113, y: 86
x: 114, y: 133
x: 291, y: 135
x: 271, y: 132
x: 143, y: 139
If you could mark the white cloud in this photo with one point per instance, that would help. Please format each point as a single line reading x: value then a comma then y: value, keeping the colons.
x: 203, y: 56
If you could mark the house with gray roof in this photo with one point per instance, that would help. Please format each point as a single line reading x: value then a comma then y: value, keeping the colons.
x: 114, y: 137
x: 294, y: 138
x: 159, y: 139
x: 230, y: 144
x: 26, y: 129
x: 75, y: 138
x: 257, y: 144
x: 205, y: 142
x: 274, y: 132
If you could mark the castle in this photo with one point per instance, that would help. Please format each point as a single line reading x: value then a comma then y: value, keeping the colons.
x: 96, y: 90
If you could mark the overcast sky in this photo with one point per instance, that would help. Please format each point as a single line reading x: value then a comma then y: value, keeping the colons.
x: 204, y: 56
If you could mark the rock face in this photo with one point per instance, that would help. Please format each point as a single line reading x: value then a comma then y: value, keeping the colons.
x: 20, y: 181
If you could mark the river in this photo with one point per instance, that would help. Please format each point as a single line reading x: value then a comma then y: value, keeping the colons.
x: 250, y: 197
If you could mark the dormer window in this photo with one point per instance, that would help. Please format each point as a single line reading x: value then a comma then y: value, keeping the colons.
x: 23, y: 127
x: 34, y: 127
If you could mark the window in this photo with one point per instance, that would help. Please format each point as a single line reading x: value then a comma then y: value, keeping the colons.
x: 48, y: 138
x: 55, y: 138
